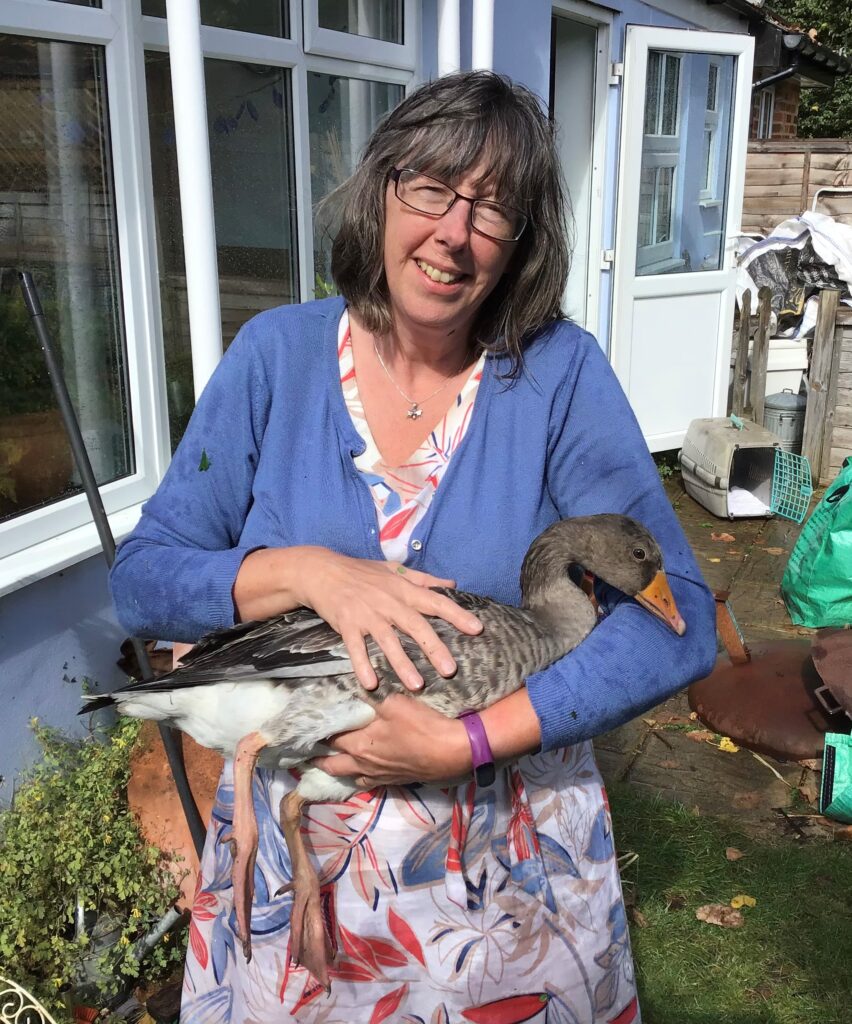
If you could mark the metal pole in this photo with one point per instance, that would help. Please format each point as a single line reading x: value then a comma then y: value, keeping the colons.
x: 174, y: 752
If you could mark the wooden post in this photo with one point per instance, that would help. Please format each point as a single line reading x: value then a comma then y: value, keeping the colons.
x: 741, y: 362
x: 819, y: 379
x: 831, y: 407
x: 760, y: 355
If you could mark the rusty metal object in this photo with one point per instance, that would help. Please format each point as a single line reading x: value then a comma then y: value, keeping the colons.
x: 832, y: 655
x: 768, y: 704
x: 729, y: 631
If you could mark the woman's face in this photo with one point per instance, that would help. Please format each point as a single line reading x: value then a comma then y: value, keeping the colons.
x: 417, y: 245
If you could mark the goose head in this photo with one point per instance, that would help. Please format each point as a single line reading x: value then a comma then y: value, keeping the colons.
x: 616, y: 548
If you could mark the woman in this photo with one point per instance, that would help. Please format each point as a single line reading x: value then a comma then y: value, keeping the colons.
x: 420, y: 429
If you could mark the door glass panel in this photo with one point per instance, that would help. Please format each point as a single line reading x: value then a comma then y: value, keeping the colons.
x: 342, y: 112
x: 265, y: 17
x: 249, y: 117
x: 377, y: 19
x: 683, y: 178
x: 57, y: 219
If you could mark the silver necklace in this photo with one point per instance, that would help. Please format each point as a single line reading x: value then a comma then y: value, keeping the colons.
x: 414, y: 411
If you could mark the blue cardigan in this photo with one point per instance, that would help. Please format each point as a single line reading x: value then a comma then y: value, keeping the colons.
x: 267, y: 460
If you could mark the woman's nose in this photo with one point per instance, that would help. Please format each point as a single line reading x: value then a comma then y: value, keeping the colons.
x: 453, y: 229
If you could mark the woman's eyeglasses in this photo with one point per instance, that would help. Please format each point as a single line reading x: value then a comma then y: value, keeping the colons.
x: 434, y: 198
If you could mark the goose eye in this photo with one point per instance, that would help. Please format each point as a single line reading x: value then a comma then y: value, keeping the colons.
x: 639, y: 554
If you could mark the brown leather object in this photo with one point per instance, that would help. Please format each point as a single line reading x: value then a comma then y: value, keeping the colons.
x: 768, y: 704
x: 154, y: 800
x: 832, y: 655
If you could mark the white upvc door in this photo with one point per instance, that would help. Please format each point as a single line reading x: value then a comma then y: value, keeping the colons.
x: 684, y: 131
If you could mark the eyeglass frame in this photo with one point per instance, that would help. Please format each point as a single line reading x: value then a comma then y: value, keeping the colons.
x: 395, y: 174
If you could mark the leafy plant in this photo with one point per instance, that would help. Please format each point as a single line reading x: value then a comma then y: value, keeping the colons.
x: 667, y: 464
x: 24, y: 382
x: 70, y: 840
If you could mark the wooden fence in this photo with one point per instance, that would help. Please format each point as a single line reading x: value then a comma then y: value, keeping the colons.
x: 783, y: 176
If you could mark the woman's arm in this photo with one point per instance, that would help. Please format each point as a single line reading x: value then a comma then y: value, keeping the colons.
x: 184, y: 572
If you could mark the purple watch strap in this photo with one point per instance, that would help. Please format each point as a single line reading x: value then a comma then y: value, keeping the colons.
x: 480, y: 748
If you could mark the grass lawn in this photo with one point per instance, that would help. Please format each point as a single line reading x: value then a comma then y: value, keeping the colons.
x: 791, y: 962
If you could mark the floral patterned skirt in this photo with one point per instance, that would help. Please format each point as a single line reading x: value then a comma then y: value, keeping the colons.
x: 495, y: 905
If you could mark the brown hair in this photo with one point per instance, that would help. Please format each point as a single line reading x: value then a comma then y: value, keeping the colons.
x: 444, y: 129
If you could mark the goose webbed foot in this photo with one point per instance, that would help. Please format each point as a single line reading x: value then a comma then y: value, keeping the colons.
x: 243, y: 836
x: 309, y: 942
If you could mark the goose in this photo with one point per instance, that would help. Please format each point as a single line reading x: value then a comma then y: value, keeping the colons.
x: 273, y: 692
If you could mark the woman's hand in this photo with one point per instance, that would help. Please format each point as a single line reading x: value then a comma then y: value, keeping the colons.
x: 407, y: 742
x: 358, y: 598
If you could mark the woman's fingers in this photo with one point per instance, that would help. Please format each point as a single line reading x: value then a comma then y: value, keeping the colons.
x: 404, y: 667
x: 419, y: 578
x: 361, y: 664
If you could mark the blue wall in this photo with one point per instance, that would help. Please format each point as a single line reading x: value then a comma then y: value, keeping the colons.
x: 53, y: 635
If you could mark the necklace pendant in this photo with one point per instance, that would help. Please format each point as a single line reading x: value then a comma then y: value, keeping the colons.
x: 415, y: 412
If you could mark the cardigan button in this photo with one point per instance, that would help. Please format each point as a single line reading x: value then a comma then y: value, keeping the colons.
x: 416, y: 545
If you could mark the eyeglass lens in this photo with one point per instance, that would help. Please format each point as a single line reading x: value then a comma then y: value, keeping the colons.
x: 428, y: 195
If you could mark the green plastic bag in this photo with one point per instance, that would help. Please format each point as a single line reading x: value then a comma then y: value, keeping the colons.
x: 835, y: 798
x: 817, y: 584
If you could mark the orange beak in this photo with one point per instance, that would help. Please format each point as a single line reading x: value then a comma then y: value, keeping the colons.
x: 658, y: 600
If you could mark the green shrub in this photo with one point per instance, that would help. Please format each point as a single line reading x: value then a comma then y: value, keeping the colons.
x: 70, y: 838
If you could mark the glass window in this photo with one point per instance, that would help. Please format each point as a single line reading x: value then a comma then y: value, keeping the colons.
x: 57, y: 218
x: 251, y: 151
x: 80, y: 3
x: 265, y: 17
x: 766, y: 113
x: 377, y: 19
x: 683, y: 176
x: 342, y: 112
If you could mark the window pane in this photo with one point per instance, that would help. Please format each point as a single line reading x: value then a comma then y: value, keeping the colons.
x: 266, y: 17
x: 712, y: 82
x: 708, y: 160
x: 652, y: 92
x: 80, y: 3
x: 378, y: 19
x: 342, y: 112
x: 663, y: 204
x: 251, y: 152
x: 57, y: 218
x: 670, y: 96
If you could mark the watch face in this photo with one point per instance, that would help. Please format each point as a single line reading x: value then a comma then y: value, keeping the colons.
x: 486, y: 774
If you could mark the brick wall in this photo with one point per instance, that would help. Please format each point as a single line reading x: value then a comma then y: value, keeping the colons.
x: 785, y: 116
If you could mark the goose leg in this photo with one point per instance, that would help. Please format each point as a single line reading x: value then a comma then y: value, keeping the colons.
x: 243, y: 836
x: 309, y: 944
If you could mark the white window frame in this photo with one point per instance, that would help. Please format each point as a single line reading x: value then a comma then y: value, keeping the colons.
x: 327, y: 42
x: 46, y: 540
x: 711, y: 125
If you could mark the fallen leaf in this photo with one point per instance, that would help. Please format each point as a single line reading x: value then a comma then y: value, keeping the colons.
x: 743, y: 901
x: 732, y: 853
x: 719, y: 914
x: 843, y: 834
x: 676, y: 902
x: 774, y: 551
x: 700, y: 735
x: 670, y: 764
x: 726, y: 538
x: 714, y: 559
x: 728, y: 745
x: 650, y: 722
x: 747, y: 800
x: 696, y: 810
x: 809, y: 791
x: 813, y: 763
x: 705, y: 524
x: 693, y: 716
x: 638, y: 918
